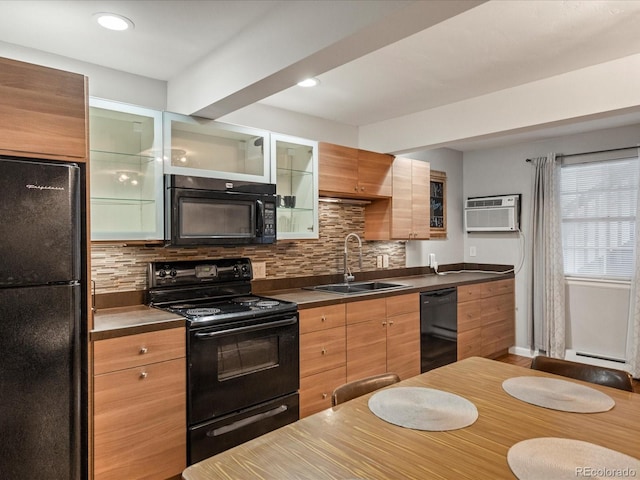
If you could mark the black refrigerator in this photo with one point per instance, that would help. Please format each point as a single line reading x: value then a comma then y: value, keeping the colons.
x: 41, y: 304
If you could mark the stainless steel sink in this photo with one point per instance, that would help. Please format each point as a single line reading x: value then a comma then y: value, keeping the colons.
x: 357, y: 287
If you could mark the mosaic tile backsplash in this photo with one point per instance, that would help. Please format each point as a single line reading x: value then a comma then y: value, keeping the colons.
x: 119, y: 268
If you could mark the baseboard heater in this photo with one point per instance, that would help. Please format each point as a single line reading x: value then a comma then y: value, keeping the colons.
x: 600, y: 357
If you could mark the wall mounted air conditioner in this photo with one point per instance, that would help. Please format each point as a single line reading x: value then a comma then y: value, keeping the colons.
x: 492, y: 214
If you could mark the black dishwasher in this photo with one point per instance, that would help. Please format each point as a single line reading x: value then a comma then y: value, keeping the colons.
x: 438, y: 328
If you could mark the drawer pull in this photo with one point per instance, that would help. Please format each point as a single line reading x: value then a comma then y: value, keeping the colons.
x: 143, y: 350
x: 143, y: 375
x: 324, y: 351
x: 323, y: 318
x: 324, y: 396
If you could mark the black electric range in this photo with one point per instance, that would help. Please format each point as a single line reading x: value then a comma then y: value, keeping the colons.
x: 207, y: 292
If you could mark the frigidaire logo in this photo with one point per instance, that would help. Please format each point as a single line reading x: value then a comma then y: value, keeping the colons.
x: 44, y: 187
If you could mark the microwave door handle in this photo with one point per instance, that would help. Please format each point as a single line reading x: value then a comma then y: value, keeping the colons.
x: 259, y: 218
x: 250, y: 328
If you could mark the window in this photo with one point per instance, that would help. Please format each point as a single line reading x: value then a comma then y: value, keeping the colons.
x: 598, y: 202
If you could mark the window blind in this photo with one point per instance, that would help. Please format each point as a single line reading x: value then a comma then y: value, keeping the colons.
x: 599, y: 201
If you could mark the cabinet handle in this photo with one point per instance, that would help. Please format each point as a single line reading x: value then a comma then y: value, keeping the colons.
x: 323, y: 318
x: 143, y: 375
x: 324, y: 351
x: 143, y: 350
x: 390, y: 322
x: 384, y: 324
x: 355, y: 189
x: 324, y: 396
x: 362, y: 189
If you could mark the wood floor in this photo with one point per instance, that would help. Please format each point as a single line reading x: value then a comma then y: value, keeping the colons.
x: 526, y: 362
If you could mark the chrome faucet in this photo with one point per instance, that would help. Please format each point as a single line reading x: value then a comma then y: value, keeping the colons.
x: 348, y: 277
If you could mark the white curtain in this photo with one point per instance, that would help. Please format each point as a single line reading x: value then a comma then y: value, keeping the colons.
x: 633, y: 342
x: 547, y: 302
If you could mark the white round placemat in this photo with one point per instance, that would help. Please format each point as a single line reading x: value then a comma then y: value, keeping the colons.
x: 423, y: 408
x: 566, y: 459
x: 558, y: 394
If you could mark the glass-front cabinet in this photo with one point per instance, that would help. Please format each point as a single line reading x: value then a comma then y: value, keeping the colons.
x: 295, y: 161
x: 206, y: 148
x: 126, y: 171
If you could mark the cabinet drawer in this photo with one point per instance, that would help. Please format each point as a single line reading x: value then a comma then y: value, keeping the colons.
x: 321, y: 318
x: 499, y: 287
x: 497, y: 337
x: 322, y: 350
x: 140, y: 422
x: 401, y: 304
x: 501, y: 307
x: 470, y: 343
x: 469, y: 315
x: 316, y: 390
x: 467, y: 293
x: 365, y: 310
x: 134, y: 350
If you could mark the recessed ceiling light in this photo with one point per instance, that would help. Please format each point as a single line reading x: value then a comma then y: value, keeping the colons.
x: 309, y: 82
x: 113, y: 21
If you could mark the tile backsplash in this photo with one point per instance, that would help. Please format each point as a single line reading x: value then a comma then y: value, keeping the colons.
x: 119, y: 268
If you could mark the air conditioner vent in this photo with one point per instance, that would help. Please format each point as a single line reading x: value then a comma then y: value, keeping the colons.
x: 492, y: 214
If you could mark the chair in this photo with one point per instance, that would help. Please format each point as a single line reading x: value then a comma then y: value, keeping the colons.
x: 609, y: 377
x: 357, y: 388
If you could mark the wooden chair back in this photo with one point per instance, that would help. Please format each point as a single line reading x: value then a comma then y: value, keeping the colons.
x: 360, y: 387
x: 609, y: 377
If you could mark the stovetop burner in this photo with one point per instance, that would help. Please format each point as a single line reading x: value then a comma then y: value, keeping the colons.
x: 247, y: 300
x: 267, y: 303
x: 202, y: 311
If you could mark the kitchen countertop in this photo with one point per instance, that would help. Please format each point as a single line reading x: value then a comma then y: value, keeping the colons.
x: 122, y: 321
x: 415, y: 283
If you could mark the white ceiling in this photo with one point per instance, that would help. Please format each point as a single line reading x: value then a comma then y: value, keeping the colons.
x: 406, y: 69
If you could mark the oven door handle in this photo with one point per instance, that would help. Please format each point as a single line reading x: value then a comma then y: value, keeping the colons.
x: 247, y: 421
x: 250, y: 328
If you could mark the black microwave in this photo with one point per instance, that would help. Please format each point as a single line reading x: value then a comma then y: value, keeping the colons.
x: 212, y: 211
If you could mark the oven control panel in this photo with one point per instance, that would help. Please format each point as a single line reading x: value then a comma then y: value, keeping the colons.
x: 197, y: 272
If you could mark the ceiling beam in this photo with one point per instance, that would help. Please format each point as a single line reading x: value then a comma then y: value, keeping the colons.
x: 259, y: 63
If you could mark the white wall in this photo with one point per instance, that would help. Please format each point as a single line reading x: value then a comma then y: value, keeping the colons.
x: 450, y: 249
x: 504, y: 170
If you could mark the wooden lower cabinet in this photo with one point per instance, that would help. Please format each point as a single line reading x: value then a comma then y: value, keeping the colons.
x: 139, y: 412
x: 403, y: 335
x: 383, y: 335
x: 486, y: 318
x: 322, y: 356
x: 316, y: 390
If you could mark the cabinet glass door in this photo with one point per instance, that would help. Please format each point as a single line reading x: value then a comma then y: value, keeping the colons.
x: 296, y: 166
x: 126, y: 172
x: 206, y: 148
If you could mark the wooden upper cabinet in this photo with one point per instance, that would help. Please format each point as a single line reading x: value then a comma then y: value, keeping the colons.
x: 350, y: 172
x: 406, y: 215
x: 338, y: 169
x: 374, y: 174
x: 43, y: 112
x: 420, y: 175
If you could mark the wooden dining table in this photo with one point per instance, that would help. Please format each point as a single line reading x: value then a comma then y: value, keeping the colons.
x: 349, y: 442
